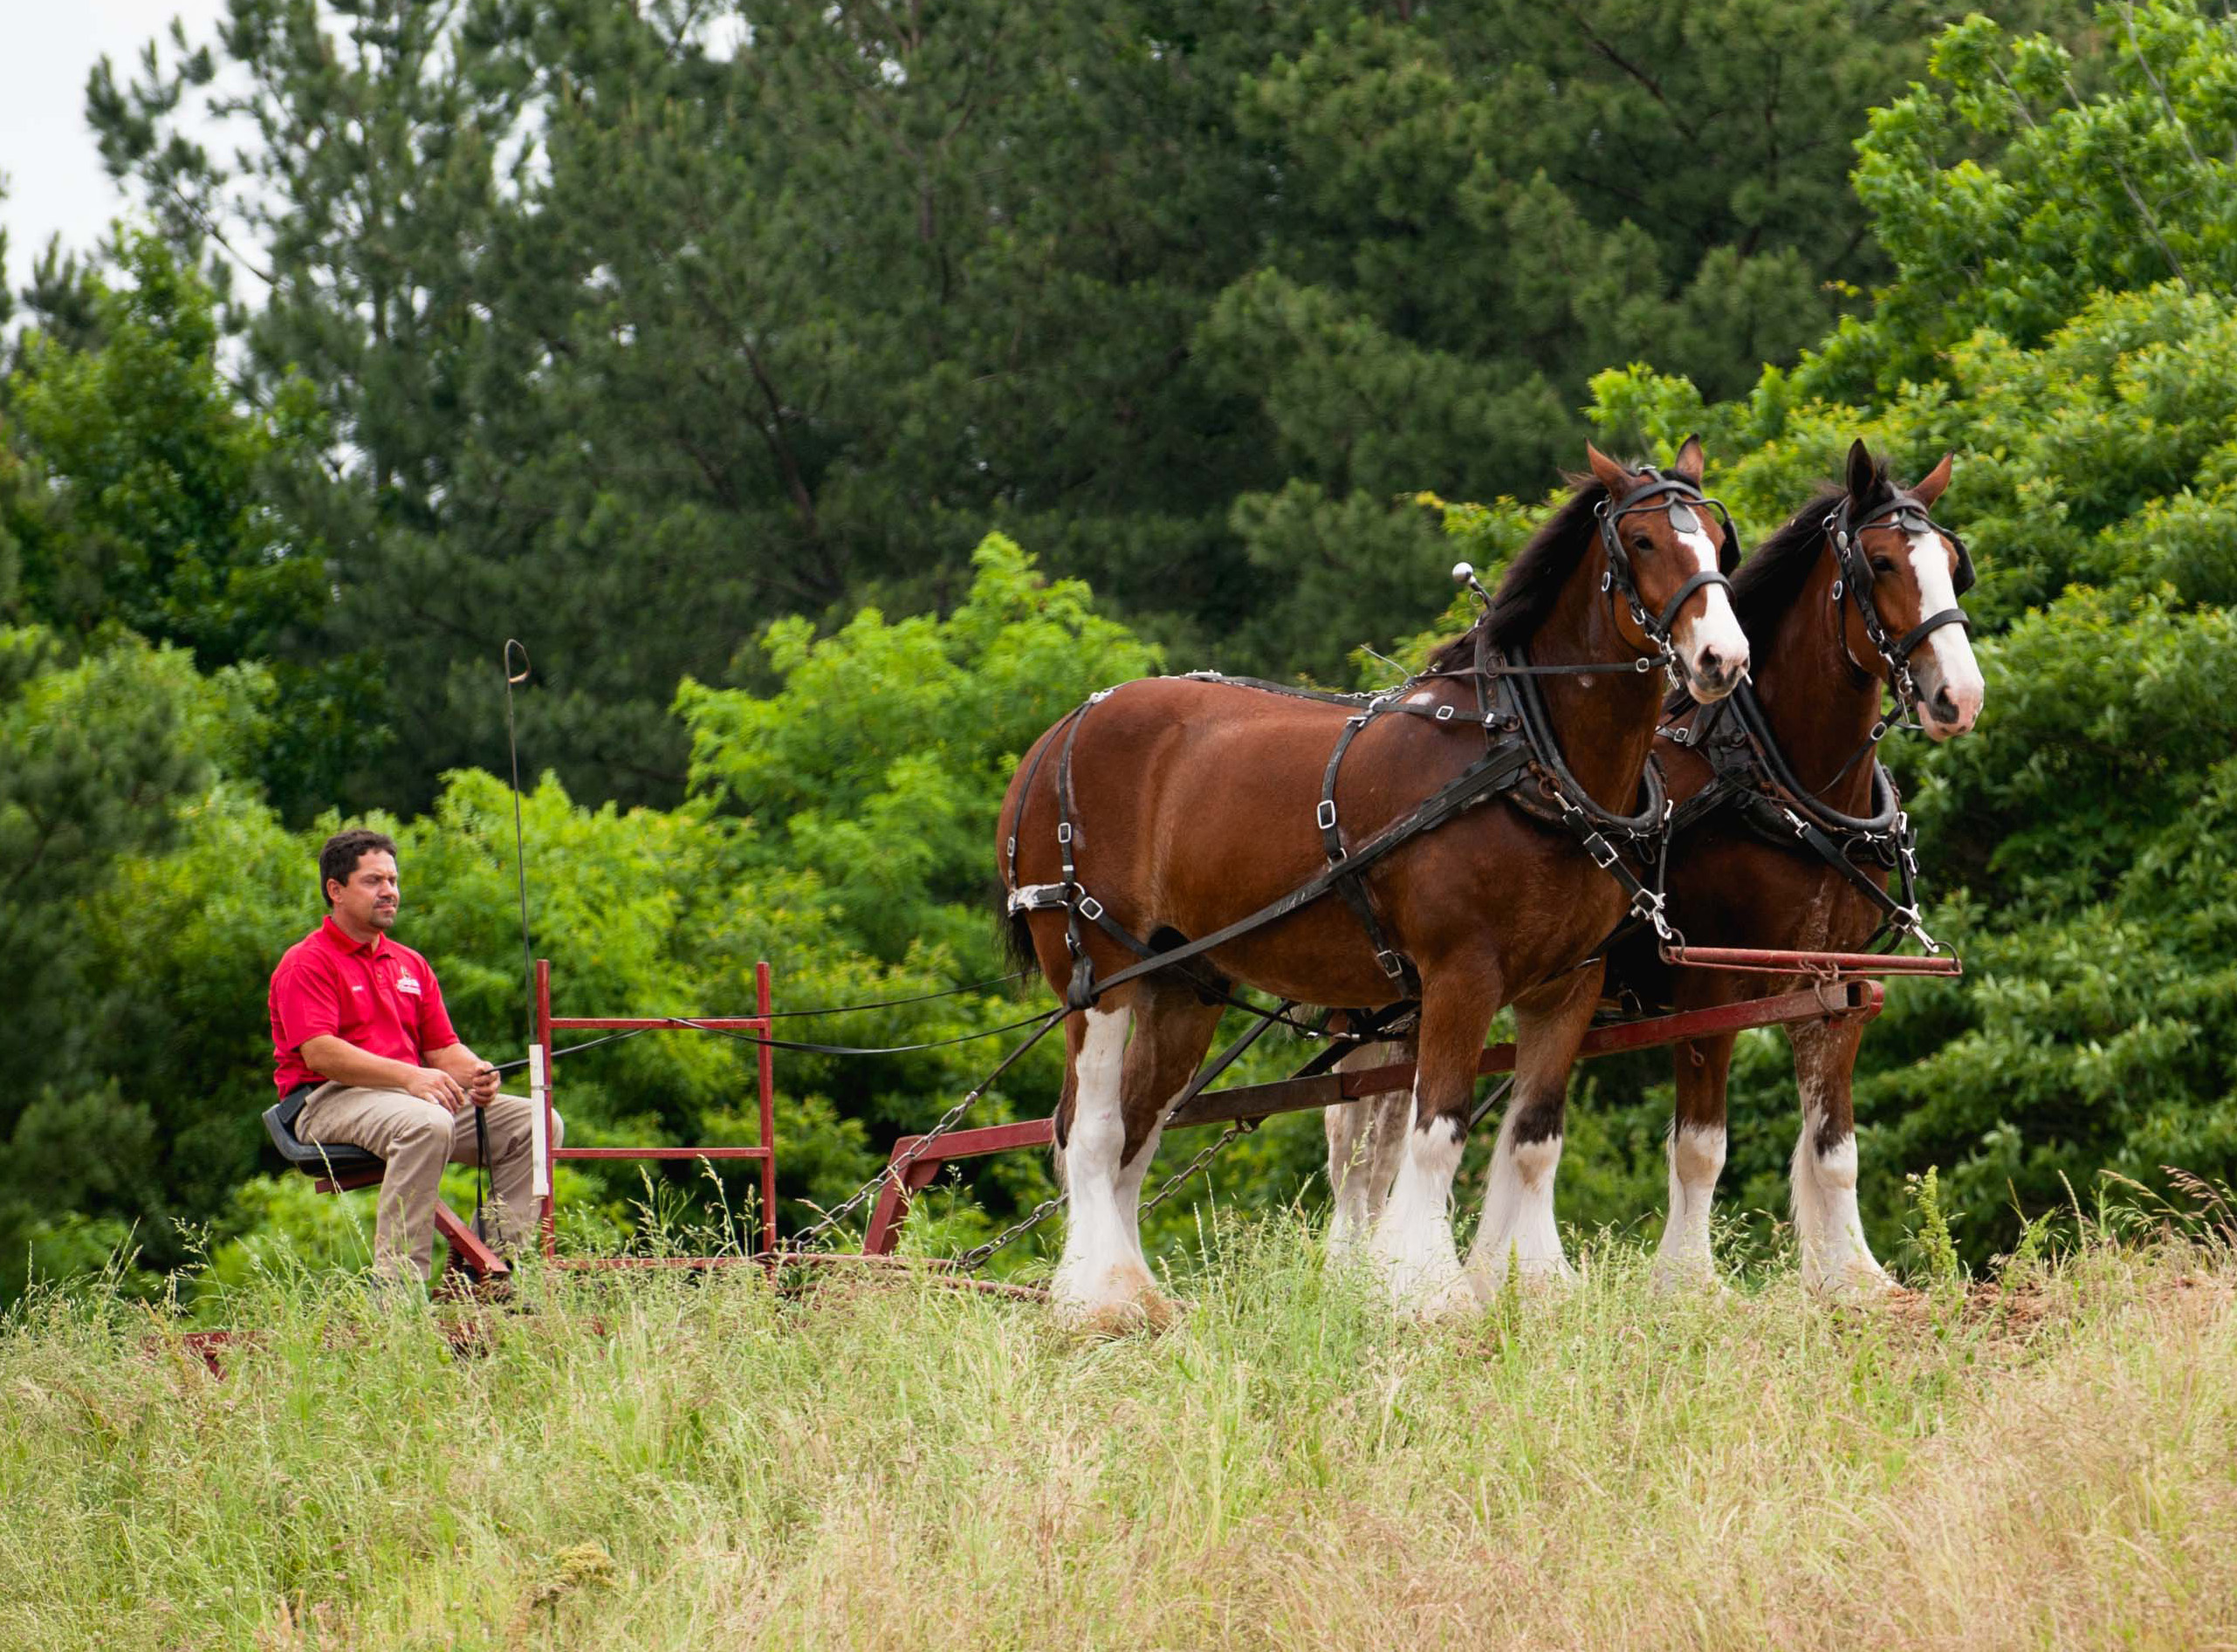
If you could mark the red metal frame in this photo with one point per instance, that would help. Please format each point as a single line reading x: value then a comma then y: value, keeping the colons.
x: 1859, y: 1000
x: 541, y: 1080
x: 1827, y: 965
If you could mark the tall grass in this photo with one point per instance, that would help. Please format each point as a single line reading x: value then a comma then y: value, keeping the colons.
x: 665, y: 1463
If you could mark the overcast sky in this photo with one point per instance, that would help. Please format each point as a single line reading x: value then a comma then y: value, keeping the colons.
x: 55, y: 180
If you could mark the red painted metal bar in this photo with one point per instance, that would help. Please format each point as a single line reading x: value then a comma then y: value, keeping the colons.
x: 543, y: 1062
x: 1858, y: 1000
x: 892, y: 1207
x: 655, y: 1022
x: 463, y: 1241
x: 585, y: 1264
x: 766, y: 1072
x: 661, y: 1153
x: 1756, y: 960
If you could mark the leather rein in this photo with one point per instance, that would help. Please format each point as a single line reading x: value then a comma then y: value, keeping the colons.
x: 1520, y: 747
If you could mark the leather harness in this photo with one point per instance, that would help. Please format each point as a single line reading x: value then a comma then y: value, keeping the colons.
x: 1519, y: 749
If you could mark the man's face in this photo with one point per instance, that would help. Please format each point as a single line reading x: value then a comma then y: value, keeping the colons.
x: 368, y: 901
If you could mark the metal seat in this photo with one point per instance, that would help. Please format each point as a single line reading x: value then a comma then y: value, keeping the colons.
x: 328, y: 1160
x: 336, y: 1167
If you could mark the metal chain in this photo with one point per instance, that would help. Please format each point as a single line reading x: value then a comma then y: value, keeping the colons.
x: 1241, y: 1127
x: 948, y: 1121
x: 971, y: 1260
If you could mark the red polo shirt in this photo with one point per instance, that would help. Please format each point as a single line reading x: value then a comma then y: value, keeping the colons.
x: 378, y: 995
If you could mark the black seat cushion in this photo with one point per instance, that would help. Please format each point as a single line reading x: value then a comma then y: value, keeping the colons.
x: 312, y: 1158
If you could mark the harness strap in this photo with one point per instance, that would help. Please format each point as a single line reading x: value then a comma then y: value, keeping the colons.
x: 1496, y: 770
x: 1395, y: 963
x: 1669, y: 615
x: 1932, y: 623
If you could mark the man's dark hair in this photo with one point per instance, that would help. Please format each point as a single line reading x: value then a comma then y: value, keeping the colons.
x: 345, y: 849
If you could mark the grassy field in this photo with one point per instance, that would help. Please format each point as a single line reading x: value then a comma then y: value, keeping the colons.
x: 2049, y: 1461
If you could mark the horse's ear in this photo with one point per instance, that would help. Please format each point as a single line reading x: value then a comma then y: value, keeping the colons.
x: 1929, y: 487
x: 1610, y: 475
x: 1689, y: 461
x: 1864, y: 475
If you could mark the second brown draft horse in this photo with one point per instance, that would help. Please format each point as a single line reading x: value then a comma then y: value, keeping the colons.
x: 1784, y: 834
x: 1191, y: 820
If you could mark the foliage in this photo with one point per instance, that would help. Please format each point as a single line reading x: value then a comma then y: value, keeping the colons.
x: 636, y: 325
x: 702, y: 349
x: 144, y: 498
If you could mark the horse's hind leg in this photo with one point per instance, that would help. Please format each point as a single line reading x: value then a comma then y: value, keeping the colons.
x: 1364, y: 1140
x: 1829, y: 1229
x: 1696, y: 1149
x: 1119, y: 1091
x: 1519, y: 1226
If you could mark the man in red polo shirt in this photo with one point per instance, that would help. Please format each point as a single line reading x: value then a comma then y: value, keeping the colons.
x: 358, y: 1032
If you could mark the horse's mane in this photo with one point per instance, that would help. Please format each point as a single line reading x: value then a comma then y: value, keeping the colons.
x: 1533, y: 579
x: 1773, y: 577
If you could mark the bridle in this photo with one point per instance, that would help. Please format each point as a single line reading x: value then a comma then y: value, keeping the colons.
x: 1678, y: 498
x: 1856, y: 577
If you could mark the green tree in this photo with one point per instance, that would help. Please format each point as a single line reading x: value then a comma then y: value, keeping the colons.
x: 638, y: 326
x: 97, y: 757
x: 145, y: 499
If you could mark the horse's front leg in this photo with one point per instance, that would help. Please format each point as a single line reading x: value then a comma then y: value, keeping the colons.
x: 1829, y: 1229
x: 1518, y: 1224
x: 1697, y: 1157
x: 1412, y: 1242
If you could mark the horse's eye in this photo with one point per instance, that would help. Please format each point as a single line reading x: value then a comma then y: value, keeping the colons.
x: 1642, y: 542
x: 1881, y: 565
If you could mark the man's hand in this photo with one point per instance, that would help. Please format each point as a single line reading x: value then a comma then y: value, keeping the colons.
x: 484, y: 1090
x: 433, y: 1084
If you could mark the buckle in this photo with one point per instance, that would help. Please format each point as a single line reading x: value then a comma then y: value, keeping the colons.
x: 1064, y: 831
x: 1090, y: 907
x: 1601, y: 851
x: 1444, y: 714
x: 1325, y: 816
x: 1393, y: 965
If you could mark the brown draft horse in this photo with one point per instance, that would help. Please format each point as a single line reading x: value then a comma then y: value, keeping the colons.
x: 1740, y: 876
x: 1192, y: 803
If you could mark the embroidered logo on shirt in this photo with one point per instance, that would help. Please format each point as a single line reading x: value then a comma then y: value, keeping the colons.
x: 355, y: 988
x: 407, y: 984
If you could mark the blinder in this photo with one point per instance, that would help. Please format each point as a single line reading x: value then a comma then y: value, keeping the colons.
x: 1681, y: 502
x: 1907, y: 514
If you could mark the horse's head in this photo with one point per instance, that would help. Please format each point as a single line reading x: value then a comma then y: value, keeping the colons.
x: 1904, y: 574
x: 1669, y: 548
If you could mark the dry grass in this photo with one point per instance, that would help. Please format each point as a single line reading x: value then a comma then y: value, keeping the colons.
x: 2051, y: 1465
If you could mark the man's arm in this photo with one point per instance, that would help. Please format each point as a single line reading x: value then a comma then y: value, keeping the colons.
x: 344, y: 1063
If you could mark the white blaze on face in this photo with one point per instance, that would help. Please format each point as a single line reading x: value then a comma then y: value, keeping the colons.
x: 1950, y: 666
x: 1716, y: 627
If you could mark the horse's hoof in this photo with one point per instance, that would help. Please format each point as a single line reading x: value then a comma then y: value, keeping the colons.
x: 1858, y: 1284
x: 1687, y: 1279
x: 1153, y: 1313
x: 1454, y: 1300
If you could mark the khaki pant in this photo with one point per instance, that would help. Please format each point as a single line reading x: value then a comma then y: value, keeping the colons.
x: 415, y: 1139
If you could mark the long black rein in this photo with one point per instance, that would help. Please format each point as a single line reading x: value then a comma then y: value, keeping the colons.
x: 1520, y: 745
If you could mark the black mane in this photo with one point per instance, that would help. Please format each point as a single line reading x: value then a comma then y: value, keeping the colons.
x: 1533, y: 579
